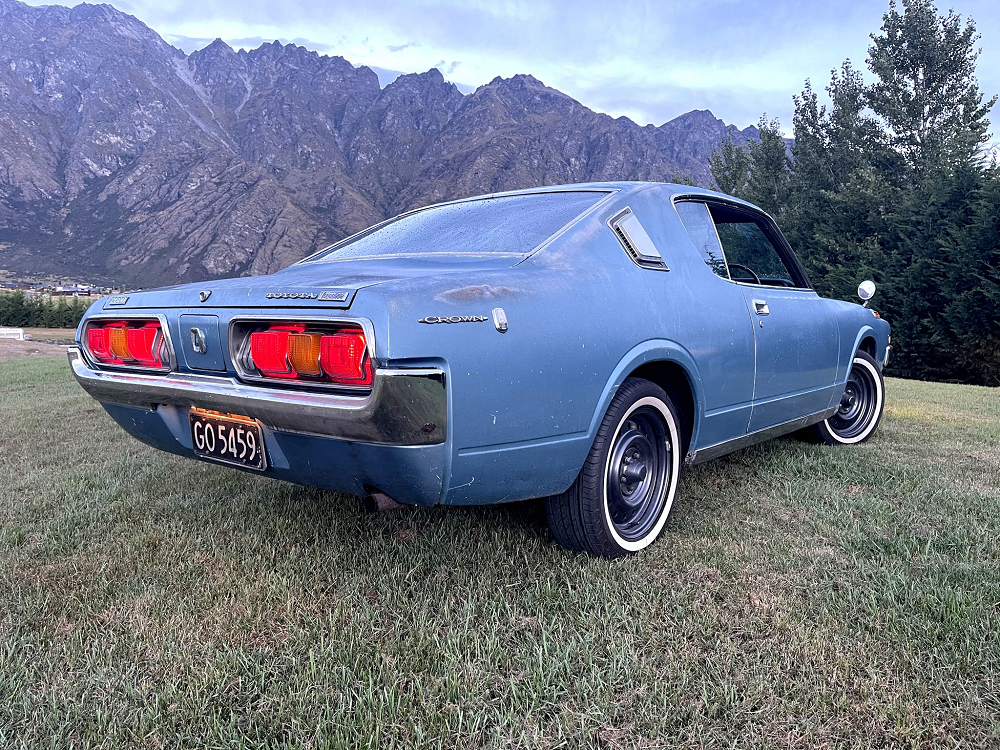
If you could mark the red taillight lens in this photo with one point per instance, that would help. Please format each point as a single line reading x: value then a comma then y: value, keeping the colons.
x: 99, y: 343
x: 344, y: 357
x: 269, y: 351
x: 289, y: 352
x: 142, y: 344
x: 127, y: 342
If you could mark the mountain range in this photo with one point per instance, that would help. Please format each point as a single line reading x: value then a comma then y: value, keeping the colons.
x: 124, y: 159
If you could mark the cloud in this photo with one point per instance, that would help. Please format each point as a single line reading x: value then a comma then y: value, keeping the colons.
x: 648, y: 59
x: 187, y: 43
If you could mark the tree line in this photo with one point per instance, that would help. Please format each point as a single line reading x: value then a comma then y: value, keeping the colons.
x: 19, y: 310
x: 889, y: 181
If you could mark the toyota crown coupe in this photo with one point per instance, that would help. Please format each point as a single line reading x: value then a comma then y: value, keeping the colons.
x: 579, y: 343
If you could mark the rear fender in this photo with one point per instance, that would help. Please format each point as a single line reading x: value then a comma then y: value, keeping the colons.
x: 654, y: 350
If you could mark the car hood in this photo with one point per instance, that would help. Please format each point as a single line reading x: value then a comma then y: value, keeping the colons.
x: 316, y: 284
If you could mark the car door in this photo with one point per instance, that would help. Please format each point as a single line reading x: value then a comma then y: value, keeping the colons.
x: 797, y: 342
x: 717, y: 330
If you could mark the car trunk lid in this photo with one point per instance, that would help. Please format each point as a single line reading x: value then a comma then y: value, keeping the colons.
x: 309, y: 285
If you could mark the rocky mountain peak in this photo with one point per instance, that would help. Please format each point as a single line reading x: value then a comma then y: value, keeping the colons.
x: 216, y: 50
x: 129, y: 161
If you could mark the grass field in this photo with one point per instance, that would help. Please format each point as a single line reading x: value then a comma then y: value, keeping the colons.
x: 52, y: 334
x: 802, y: 597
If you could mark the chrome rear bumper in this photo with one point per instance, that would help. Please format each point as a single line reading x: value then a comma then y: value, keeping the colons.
x: 405, y: 406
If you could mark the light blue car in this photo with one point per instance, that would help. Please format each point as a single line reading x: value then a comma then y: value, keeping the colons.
x: 576, y: 343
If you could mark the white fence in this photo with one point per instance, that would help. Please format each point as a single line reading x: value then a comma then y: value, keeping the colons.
x: 17, y: 334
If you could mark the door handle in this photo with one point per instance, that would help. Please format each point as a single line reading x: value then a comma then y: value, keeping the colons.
x: 760, y: 307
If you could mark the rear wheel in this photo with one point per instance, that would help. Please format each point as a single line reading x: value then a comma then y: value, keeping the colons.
x: 620, y: 502
x: 860, y: 409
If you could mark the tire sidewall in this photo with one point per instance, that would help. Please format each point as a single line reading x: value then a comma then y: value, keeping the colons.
x: 662, y: 404
x: 864, y: 360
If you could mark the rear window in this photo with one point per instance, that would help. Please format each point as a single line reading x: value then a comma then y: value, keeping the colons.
x: 506, y: 226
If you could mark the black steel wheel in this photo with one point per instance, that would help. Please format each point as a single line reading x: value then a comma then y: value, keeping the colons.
x: 620, y: 502
x: 638, y: 471
x: 861, y: 405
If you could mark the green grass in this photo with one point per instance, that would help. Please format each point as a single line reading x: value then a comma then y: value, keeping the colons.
x: 802, y: 597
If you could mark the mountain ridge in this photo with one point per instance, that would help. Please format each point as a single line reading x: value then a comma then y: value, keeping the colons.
x: 128, y: 160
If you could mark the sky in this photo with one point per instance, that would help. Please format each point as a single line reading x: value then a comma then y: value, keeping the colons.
x: 645, y: 59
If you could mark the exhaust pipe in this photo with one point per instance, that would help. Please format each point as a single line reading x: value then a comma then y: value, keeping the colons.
x: 378, y: 502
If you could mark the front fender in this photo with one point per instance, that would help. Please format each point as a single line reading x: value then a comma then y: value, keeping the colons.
x: 878, y: 329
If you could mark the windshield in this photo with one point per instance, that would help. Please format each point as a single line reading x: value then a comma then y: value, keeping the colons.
x: 507, y: 226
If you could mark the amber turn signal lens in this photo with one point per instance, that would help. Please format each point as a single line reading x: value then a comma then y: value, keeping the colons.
x: 303, y: 353
x: 119, y: 343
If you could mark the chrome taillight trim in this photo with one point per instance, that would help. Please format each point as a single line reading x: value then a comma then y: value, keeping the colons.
x: 169, y: 366
x: 239, y: 349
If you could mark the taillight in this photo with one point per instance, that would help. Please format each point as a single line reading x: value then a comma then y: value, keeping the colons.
x: 135, y: 343
x: 290, y: 352
x: 342, y: 356
x: 269, y: 351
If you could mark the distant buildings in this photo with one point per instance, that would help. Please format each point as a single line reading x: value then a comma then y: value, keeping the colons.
x: 31, y: 288
x: 72, y: 290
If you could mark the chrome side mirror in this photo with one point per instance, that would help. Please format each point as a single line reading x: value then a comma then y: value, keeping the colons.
x: 866, y: 290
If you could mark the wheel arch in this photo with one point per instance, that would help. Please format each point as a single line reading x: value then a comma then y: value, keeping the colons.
x: 868, y: 345
x: 668, y: 365
x: 866, y: 333
x: 675, y: 381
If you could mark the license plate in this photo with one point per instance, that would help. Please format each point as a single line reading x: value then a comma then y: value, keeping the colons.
x: 228, y: 438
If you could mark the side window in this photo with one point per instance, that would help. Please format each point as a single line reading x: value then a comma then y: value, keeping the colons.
x: 699, y: 225
x: 737, y: 245
x: 751, y: 256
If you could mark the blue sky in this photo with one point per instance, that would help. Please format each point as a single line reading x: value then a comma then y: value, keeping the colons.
x: 648, y: 60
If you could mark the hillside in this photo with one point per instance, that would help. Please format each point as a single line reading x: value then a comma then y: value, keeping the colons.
x: 127, y: 160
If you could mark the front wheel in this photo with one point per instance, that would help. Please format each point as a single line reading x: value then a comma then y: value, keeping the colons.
x: 620, y: 501
x: 860, y: 409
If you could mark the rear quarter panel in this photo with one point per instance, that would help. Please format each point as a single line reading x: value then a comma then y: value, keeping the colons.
x: 526, y: 404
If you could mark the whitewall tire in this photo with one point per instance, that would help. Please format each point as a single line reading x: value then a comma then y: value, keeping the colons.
x: 860, y: 410
x: 620, y: 502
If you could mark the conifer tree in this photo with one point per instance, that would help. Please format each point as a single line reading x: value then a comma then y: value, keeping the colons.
x: 888, y: 182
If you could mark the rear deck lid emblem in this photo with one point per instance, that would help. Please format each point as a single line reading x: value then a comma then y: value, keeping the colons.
x: 204, y: 294
x: 334, y: 296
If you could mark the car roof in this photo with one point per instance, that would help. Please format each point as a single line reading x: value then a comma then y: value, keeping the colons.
x: 623, y: 188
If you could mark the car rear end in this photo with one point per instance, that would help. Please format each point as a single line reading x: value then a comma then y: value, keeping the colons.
x: 291, y: 386
x: 336, y: 372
